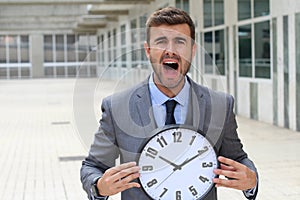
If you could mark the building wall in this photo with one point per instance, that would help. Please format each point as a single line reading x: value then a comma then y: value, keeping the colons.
x: 244, y: 49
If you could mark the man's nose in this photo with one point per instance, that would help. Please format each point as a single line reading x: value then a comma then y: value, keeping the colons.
x: 170, y: 49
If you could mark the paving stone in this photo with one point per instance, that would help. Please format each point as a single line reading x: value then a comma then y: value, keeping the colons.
x: 41, y: 149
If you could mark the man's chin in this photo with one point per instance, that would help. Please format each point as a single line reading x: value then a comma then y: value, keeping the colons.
x: 171, y: 84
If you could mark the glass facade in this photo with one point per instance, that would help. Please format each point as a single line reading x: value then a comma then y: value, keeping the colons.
x: 134, y: 40
x: 67, y: 54
x: 214, y: 40
x: 213, y: 11
x: 214, y: 45
x: 254, y: 38
x: 262, y: 49
x: 14, y: 56
x: 183, y: 4
x: 143, y: 57
x: 207, y: 13
x: 261, y: 8
x: 208, y: 58
x: 218, y: 12
x: 123, y: 45
x: 244, y: 9
x: 245, y: 51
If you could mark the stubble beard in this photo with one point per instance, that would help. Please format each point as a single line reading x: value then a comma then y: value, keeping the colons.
x: 159, y: 79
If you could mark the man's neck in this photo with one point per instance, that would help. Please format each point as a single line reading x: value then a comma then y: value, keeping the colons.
x: 170, y: 92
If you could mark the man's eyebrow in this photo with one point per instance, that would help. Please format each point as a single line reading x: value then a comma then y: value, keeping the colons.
x: 180, y: 38
x: 160, y: 38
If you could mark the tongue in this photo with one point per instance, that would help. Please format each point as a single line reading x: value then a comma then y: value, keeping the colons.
x: 171, y: 66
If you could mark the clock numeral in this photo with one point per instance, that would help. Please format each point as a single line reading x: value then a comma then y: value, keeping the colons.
x: 177, y: 136
x: 192, y: 140
x: 205, y: 165
x: 151, y: 152
x: 193, y: 190
x: 147, y: 168
x: 203, y: 179
x: 163, y: 193
x: 162, y: 142
x: 151, y: 183
x: 178, y: 195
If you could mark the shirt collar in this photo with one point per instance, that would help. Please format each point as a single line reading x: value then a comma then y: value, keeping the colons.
x: 160, y: 98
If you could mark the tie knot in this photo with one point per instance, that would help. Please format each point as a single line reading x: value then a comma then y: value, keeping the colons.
x: 170, y: 105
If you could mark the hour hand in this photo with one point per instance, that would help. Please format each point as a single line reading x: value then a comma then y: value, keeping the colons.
x: 171, y: 163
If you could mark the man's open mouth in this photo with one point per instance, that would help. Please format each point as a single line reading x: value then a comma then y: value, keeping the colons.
x: 172, y: 65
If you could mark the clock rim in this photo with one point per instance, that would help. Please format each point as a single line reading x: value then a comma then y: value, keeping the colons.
x: 176, y: 126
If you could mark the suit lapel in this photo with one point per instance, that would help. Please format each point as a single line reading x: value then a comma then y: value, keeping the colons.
x: 145, y: 111
x: 198, y: 104
x: 197, y: 108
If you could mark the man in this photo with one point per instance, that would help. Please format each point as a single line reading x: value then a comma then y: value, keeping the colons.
x: 129, y: 117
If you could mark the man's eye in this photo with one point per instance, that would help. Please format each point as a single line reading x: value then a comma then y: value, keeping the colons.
x: 180, y: 42
x: 161, y: 42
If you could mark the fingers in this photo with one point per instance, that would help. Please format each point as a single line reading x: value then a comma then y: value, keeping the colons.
x: 118, y: 179
x: 238, y: 175
x: 230, y: 162
x: 119, y: 168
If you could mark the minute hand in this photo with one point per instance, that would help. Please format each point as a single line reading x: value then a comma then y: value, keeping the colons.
x: 200, y: 152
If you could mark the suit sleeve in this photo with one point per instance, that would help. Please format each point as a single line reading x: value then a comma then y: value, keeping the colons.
x: 103, y: 151
x: 232, y: 146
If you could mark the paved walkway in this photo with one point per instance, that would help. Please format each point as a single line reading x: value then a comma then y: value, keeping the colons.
x: 41, y: 153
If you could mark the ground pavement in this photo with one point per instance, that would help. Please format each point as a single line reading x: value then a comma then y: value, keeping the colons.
x: 41, y: 148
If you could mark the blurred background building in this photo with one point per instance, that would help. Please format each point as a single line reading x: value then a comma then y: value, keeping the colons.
x: 252, y: 46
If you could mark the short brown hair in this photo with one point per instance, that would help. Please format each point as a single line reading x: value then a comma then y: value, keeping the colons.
x: 170, y: 16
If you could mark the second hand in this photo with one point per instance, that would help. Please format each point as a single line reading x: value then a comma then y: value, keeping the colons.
x: 164, y: 180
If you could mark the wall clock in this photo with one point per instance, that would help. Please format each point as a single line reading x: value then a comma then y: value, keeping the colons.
x: 177, y: 163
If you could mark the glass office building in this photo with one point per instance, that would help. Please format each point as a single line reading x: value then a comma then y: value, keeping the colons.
x: 248, y: 48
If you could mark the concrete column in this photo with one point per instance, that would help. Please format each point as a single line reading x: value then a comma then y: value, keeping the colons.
x: 37, y: 55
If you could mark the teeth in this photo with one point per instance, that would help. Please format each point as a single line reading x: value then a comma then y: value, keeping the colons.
x: 170, y: 63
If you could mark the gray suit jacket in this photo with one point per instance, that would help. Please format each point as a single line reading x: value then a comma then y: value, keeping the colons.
x: 127, y: 123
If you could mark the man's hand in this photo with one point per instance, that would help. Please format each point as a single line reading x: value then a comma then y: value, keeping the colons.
x: 239, y: 176
x: 118, y: 179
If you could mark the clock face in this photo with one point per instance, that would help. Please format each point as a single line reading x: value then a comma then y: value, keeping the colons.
x: 177, y: 163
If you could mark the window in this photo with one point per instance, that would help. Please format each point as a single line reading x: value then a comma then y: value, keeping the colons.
x: 109, y: 47
x: 101, y: 50
x: 14, y: 56
x: 24, y: 48
x: 245, y: 51
x: 59, y: 44
x: 214, y: 44
x: 48, y: 48
x: 213, y: 11
x: 143, y: 57
x: 63, y: 54
x: 134, y: 39
x: 259, y: 7
x: 262, y: 49
x: 244, y: 9
x: 115, y: 47
x: 183, y: 4
x: 13, y: 48
x: 123, y: 45
x: 254, y: 39
x: 71, y: 50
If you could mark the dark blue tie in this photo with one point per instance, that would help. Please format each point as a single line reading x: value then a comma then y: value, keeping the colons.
x: 170, y: 105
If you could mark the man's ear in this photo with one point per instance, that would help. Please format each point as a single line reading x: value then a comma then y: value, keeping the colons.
x: 194, y: 49
x: 147, y: 49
